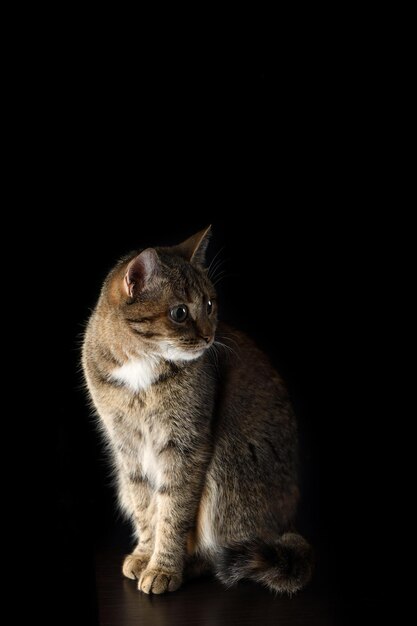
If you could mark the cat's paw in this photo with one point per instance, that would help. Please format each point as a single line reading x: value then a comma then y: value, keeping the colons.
x: 159, y: 581
x: 134, y: 564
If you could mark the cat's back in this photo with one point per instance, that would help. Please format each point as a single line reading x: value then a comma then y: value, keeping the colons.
x: 249, y: 381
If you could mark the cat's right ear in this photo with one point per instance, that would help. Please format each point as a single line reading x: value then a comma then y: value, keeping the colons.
x: 194, y: 248
x: 140, y: 271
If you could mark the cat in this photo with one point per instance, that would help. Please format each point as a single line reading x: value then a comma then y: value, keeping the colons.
x: 201, y: 430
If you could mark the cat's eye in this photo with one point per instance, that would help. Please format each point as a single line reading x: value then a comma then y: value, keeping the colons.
x: 209, y: 307
x: 179, y: 313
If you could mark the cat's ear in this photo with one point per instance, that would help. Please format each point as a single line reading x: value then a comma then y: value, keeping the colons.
x: 194, y: 248
x: 140, y: 271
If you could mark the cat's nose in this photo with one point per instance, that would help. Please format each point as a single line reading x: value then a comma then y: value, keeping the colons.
x: 207, y: 338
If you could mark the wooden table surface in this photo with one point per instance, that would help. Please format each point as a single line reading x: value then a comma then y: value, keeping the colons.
x: 205, y: 602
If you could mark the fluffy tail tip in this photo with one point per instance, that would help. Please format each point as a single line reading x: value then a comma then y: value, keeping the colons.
x: 284, y: 566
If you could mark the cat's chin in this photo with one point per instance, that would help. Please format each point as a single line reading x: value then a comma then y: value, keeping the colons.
x: 170, y: 353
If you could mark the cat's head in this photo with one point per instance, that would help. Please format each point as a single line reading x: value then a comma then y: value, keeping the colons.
x: 164, y: 302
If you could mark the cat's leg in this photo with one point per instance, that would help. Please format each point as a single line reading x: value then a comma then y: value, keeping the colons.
x: 177, y: 500
x: 142, y: 510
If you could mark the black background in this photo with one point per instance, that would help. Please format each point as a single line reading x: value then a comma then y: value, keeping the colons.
x: 270, y: 151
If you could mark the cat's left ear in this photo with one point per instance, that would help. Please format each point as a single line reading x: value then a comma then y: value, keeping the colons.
x: 194, y: 248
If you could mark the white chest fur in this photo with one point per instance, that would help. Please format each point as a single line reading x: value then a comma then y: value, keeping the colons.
x: 137, y: 374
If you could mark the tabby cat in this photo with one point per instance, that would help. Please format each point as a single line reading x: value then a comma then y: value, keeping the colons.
x: 201, y: 430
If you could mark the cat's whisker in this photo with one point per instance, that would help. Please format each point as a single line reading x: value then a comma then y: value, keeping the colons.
x: 211, y: 378
x: 220, y: 263
x: 230, y: 338
x: 220, y: 277
x: 209, y: 269
x: 217, y: 267
x: 224, y: 345
x: 213, y: 351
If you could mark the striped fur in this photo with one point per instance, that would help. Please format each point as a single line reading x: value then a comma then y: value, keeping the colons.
x: 201, y: 431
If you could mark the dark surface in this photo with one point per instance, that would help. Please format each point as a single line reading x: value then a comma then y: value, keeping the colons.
x: 203, y: 602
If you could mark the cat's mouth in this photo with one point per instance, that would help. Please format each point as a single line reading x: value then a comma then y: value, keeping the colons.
x: 199, y: 348
x: 183, y: 352
x: 196, y: 351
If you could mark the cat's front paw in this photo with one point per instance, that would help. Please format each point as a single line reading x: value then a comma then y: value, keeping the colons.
x: 159, y: 581
x: 134, y: 564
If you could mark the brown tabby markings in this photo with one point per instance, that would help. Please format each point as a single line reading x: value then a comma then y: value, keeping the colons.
x: 202, y: 433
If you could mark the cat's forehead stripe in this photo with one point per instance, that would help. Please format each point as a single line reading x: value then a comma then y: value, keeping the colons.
x: 191, y: 287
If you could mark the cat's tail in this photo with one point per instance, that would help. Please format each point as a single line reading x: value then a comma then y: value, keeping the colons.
x: 284, y: 566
